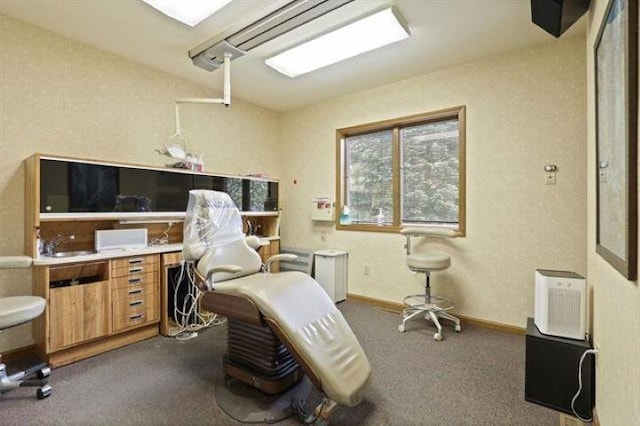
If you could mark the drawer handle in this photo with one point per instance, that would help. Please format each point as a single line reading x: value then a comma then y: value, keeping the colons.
x: 136, y: 317
x: 135, y: 270
x: 135, y: 280
x: 137, y: 291
x: 136, y: 260
x: 136, y: 303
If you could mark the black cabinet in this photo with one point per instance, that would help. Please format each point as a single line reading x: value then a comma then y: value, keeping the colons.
x: 551, y: 372
x: 91, y: 187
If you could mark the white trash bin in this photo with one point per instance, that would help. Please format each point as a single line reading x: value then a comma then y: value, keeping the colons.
x: 331, y: 273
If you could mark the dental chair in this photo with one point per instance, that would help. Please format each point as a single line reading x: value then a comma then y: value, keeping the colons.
x: 432, y: 307
x: 281, y: 326
x: 18, y: 310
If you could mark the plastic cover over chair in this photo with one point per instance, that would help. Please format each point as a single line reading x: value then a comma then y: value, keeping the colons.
x: 212, y: 220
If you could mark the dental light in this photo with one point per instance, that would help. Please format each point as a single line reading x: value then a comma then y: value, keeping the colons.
x: 374, y: 31
x: 190, y: 12
x: 225, y: 100
x: 275, y: 20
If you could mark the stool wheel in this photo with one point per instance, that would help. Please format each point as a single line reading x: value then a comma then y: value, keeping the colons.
x: 44, y: 372
x: 43, y: 392
x: 401, y: 328
x: 458, y: 328
x: 437, y: 337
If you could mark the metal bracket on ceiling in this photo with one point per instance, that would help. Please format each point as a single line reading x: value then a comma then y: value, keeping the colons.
x: 260, y: 29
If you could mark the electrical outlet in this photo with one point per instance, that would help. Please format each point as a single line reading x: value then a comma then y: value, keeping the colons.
x: 367, y: 271
x: 323, y: 236
x: 550, y: 178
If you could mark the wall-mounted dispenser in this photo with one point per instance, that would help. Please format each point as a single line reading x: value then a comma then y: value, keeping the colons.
x: 322, y: 209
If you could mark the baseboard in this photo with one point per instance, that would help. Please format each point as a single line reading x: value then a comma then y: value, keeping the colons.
x: 378, y: 303
x: 96, y: 347
x: 19, y: 354
x: 398, y: 307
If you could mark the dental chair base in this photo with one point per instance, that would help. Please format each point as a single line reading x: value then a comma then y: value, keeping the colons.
x: 256, y: 357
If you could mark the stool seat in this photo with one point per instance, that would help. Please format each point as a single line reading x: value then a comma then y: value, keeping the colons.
x: 16, y: 310
x: 431, y: 261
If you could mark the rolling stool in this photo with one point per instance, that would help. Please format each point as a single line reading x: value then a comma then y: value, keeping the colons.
x: 433, y: 307
x: 18, y: 310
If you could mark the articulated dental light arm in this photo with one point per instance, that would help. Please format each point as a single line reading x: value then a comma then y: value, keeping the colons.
x: 226, y: 96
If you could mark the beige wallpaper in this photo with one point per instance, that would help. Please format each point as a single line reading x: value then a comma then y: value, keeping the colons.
x: 616, y: 307
x: 61, y: 97
x: 525, y: 109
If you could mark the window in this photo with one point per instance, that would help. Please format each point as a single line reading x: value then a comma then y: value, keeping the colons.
x: 406, y: 171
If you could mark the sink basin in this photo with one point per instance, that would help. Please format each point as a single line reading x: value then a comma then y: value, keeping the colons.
x: 73, y: 253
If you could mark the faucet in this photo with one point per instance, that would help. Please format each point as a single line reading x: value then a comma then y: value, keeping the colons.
x: 51, y: 245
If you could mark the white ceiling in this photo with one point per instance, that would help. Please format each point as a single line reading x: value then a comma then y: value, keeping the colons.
x: 443, y: 33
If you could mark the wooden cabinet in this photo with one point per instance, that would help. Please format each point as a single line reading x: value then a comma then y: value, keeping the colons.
x: 96, y: 306
x: 135, y: 291
x: 78, y: 304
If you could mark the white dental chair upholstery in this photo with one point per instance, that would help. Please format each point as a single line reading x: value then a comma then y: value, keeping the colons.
x: 281, y: 325
x: 432, y: 307
x: 16, y: 310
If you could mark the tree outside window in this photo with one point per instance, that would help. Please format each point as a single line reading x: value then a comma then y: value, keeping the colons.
x: 406, y: 171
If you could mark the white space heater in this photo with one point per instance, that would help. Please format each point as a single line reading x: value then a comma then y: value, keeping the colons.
x: 560, y: 304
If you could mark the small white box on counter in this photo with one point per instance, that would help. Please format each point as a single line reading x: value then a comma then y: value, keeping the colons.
x: 121, y: 239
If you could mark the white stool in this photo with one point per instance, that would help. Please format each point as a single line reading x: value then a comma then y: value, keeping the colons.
x: 18, y: 310
x: 432, y: 307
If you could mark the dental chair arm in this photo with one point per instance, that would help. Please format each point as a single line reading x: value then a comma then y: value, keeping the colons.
x: 204, y: 282
x: 278, y: 258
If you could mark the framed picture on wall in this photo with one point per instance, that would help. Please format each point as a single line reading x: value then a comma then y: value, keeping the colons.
x: 616, y: 78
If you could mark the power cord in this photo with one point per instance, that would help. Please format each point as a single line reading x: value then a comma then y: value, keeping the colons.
x: 575, y: 397
x: 298, y: 408
x: 163, y: 240
x: 188, y: 318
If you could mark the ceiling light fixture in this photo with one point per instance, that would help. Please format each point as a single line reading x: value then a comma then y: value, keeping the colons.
x: 190, y: 12
x: 277, y: 18
x: 374, y: 31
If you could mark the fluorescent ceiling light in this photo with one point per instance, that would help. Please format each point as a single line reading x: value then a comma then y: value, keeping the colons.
x: 374, y: 31
x: 190, y: 12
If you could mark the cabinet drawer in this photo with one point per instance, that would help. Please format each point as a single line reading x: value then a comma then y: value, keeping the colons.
x: 135, y: 311
x: 146, y: 292
x: 133, y: 270
x: 134, y: 280
x: 123, y: 267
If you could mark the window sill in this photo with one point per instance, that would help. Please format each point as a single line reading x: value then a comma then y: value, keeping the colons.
x: 370, y: 227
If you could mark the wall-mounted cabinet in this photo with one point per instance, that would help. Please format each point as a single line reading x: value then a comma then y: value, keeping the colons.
x: 75, y: 196
x: 74, y: 186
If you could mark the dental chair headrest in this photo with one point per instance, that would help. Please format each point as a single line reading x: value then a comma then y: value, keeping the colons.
x: 212, y: 220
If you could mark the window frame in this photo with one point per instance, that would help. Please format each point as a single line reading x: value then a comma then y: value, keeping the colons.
x: 395, y: 125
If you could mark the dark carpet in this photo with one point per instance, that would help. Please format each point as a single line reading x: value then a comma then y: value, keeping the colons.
x: 472, y: 378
